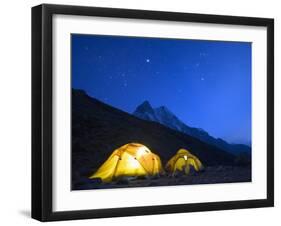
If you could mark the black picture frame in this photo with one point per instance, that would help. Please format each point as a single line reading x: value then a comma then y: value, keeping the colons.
x: 42, y: 107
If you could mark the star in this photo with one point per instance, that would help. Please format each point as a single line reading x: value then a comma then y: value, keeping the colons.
x: 147, y: 60
x: 203, y: 54
x: 202, y: 79
x: 86, y: 48
x: 197, y: 64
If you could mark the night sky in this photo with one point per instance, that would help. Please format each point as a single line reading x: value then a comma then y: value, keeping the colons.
x: 206, y: 84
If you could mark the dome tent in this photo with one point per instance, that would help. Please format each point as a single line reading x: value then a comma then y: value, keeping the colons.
x: 131, y: 159
x: 182, y: 161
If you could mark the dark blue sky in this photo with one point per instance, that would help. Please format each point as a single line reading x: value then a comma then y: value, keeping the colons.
x: 207, y: 84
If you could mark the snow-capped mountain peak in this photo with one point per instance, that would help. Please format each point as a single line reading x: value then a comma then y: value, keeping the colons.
x: 145, y: 111
x: 144, y: 107
x: 160, y: 114
x: 163, y: 110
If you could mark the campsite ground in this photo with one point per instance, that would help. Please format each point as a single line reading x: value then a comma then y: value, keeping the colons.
x: 98, y: 129
x: 211, y: 175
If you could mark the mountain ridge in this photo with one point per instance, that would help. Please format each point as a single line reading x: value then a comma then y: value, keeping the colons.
x: 166, y: 117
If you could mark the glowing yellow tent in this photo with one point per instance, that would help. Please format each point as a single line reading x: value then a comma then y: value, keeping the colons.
x: 182, y: 161
x: 132, y: 159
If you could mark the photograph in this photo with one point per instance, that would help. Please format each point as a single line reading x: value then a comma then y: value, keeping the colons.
x: 148, y: 111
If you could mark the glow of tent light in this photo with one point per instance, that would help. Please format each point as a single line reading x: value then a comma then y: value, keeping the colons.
x: 133, y: 163
x: 185, y: 157
x: 141, y: 151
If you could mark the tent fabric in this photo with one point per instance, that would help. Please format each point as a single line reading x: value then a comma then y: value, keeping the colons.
x: 182, y: 161
x: 131, y: 159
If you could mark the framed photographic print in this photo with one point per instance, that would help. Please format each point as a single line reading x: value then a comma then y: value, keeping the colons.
x: 146, y: 112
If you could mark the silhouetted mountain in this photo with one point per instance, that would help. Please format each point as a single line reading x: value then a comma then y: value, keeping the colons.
x: 165, y: 117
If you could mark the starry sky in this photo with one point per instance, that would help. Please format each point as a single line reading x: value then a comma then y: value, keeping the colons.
x: 206, y: 84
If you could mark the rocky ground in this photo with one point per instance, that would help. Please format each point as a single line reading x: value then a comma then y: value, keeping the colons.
x: 211, y: 175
